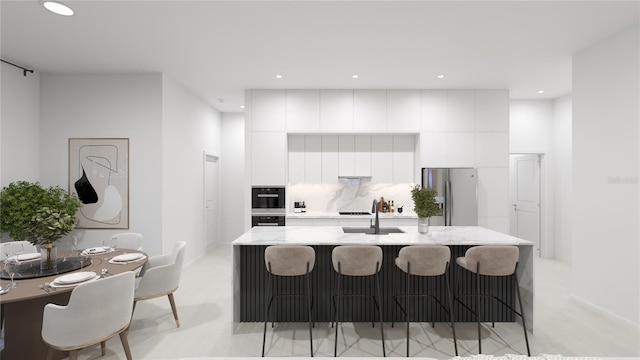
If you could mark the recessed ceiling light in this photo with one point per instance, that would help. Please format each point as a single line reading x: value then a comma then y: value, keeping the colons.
x: 355, y: 76
x: 440, y: 76
x: 278, y: 76
x: 540, y: 91
x: 58, y: 8
x: 241, y: 106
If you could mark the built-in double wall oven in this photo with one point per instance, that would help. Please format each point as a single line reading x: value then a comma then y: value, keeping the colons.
x: 268, y: 206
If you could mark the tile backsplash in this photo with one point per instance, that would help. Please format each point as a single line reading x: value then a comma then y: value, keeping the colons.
x: 348, y: 195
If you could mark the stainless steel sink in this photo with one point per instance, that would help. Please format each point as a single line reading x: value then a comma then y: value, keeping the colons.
x: 370, y: 231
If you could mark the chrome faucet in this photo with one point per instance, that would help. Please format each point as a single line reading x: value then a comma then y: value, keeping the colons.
x: 374, y: 209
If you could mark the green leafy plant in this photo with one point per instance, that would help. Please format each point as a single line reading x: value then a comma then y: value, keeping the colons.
x: 40, y: 215
x: 424, y: 202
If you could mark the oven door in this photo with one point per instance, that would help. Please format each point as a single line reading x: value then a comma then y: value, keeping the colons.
x: 267, y: 220
x: 267, y: 198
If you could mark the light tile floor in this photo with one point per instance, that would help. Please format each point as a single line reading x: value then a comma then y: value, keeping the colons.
x: 204, y: 307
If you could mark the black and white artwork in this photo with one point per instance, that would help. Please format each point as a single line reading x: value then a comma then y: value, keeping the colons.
x: 99, y: 176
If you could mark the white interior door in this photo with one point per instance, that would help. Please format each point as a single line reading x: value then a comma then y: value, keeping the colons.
x: 525, y: 198
x: 211, y: 204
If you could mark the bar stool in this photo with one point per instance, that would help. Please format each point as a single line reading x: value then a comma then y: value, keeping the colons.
x: 359, y: 261
x: 288, y: 261
x: 493, y: 261
x: 425, y: 260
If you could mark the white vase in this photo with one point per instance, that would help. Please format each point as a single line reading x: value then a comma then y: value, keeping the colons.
x: 423, y: 225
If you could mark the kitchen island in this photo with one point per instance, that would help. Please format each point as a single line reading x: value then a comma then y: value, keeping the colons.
x: 250, y: 275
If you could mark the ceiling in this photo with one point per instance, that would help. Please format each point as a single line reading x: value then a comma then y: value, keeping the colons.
x: 218, y: 49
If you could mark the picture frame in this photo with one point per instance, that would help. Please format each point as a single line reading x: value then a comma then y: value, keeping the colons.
x: 99, y: 176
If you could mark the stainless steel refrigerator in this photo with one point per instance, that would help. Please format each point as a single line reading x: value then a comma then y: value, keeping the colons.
x: 457, y: 194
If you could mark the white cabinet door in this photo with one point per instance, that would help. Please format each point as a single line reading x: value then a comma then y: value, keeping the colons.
x: 336, y: 110
x: 346, y: 155
x: 369, y: 111
x: 403, y: 158
x: 461, y: 110
x: 296, y: 159
x: 268, y: 110
x: 329, y: 159
x: 403, y: 109
x: 492, y: 110
x: 447, y: 149
x: 433, y: 149
x: 313, y: 159
x: 303, y: 111
x: 433, y: 110
x: 382, y: 158
x: 269, y: 158
x: 362, y: 155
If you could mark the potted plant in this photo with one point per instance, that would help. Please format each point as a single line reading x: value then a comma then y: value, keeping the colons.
x: 425, y: 206
x: 40, y: 215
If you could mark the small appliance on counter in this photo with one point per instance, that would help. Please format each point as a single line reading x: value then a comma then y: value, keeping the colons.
x: 299, y: 207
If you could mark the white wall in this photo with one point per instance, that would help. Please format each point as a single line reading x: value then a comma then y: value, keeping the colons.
x: 232, y: 169
x: 123, y: 106
x: 606, y: 270
x: 19, y: 126
x: 530, y: 132
x: 561, y: 182
x: 189, y: 128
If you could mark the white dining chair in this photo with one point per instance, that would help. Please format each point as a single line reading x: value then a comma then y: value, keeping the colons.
x: 10, y: 248
x: 97, y: 311
x: 160, y: 276
x: 128, y: 240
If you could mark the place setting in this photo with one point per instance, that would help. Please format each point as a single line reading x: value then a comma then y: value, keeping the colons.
x: 127, y: 258
x: 74, y: 279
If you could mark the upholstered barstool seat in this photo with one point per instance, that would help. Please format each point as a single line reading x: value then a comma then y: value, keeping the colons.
x: 493, y: 261
x: 288, y: 261
x: 425, y: 261
x: 358, y: 261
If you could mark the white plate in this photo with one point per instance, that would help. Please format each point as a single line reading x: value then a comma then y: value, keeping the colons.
x: 96, y: 250
x: 128, y: 257
x: 25, y: 257
x: 75, y: 277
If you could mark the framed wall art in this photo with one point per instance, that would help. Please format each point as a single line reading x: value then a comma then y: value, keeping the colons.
x: 99, y: 176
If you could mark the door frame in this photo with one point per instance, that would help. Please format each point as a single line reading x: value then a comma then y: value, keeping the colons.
x: 205, y: 158
x: 545, y: 245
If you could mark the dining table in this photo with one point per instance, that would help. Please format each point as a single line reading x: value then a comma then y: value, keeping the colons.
x: 23, y: 306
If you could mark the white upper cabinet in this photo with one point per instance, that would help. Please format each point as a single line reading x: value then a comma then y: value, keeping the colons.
x: 296, y: 158
x: 269, y: 158
x: 403, y: 111
x: 447, y: 149
x: 461, y: 110
x: 369, y: 111
x: 404, y: 158
x: 382, y: 158
x: 268, y: 110
x: 313, y: 159
x: 362, y: 155
x: 433, y: 110
x: 492, y: 110
x: 303, y: 111
x: 330, y: 150
x: 336, y: 111
x: 346, y: 155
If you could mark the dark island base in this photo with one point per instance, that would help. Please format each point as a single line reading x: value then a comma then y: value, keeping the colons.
x: 254, y: 280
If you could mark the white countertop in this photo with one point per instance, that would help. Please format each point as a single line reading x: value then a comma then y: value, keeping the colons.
x: 336, y: 215
x: 333, y: 235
